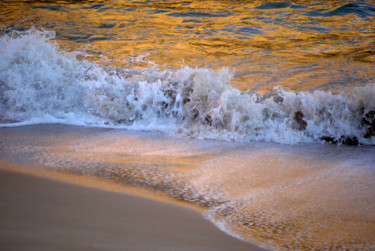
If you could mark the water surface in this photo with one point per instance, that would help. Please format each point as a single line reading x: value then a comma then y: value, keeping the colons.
x: 244, y: 107
x: 302, y: 45
x: 305, y: 197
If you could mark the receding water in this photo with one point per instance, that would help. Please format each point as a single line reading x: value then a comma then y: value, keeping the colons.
x: 227, y: 104
x: 305, y: 197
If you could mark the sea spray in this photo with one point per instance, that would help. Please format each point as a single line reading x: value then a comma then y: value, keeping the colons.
x: 42, y: 84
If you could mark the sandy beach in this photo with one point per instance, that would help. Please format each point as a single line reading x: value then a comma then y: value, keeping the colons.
x: 187, y: 125
x: 38, y: 213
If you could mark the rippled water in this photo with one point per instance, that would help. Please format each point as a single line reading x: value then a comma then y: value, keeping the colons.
x: 241, y: 72
x: 303, y: 45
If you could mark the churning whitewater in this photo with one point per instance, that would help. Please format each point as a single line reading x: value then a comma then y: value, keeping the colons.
x: 41, y: 84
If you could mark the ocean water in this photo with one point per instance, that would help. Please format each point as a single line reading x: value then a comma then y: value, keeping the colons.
x: 245, y: 107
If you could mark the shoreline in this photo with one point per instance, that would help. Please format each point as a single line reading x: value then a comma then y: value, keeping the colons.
x: 96, y: 182
x: 43, y: 210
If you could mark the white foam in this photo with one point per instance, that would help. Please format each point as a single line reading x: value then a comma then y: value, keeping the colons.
x: 42, y: 84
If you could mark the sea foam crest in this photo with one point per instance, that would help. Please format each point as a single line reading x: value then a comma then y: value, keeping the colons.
x: 41, y: 84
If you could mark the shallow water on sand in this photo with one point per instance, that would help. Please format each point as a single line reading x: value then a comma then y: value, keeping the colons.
x: 226, y: 104
x: 305, y: 196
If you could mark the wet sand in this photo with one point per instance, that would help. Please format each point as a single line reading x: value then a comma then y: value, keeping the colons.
x: 44, y: 214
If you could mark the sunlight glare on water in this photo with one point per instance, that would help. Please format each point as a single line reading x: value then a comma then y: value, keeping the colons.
x: 303, y: 45
x: 269, y: 81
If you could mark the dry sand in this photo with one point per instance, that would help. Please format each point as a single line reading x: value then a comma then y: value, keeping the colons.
x: 37, y: 213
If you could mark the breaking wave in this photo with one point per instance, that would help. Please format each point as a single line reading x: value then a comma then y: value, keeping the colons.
x: 41, y: 84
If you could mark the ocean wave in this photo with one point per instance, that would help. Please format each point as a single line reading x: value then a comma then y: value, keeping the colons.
x: 39, y: 83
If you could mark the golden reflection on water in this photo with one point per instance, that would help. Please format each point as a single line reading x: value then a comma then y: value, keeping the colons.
x: 306, y: 45
x: 300, y: 45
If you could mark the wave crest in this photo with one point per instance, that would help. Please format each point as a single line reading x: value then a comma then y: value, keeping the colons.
x: 43, y: 84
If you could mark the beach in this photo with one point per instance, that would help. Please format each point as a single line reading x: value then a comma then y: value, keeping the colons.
x: 143, y: 188
x: 39, y: 213
x: 187, y: 125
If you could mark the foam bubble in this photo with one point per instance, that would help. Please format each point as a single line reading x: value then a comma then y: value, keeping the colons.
x: 41, y: 83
